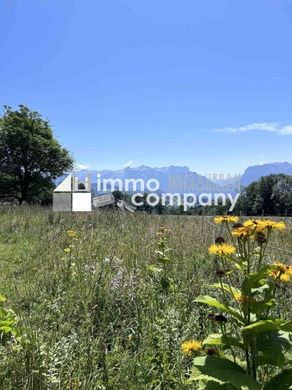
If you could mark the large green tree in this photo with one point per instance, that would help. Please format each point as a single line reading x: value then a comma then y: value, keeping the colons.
x: 270, y: 195
x: 30, y: 157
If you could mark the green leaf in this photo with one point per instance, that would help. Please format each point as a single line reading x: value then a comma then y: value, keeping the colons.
x: 258, y: 307
x: 255, y: 280
x: 273, y: 348
x: 205, y: 385
x: 220, y: 339
x: 261, y: 289
x: 222, y: 371
x: 282, y: 381
x: 263, y: 326
x: 206, y: 299
x: 229, y: 289
x: 213, y: 339
x: 287, y: 326
x: 210, y: 301
x: 154, y: 269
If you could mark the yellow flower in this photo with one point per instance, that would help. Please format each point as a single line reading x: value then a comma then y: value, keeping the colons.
x: 253, y: 226
x: 279, y: 225
x: 281, y: 271
x: 226, y: 219
x: 190, y: 346
x: 281, y: 266
x: 72, y: 233
x: 241, y: 232
x: 260, y: 225
x: 222, y: 249
x: 285, y: 277
x: 67, y: 250
x: 268, y: 224
x: 238, y: 297
x: 242, y: 298
x: 163, y: 231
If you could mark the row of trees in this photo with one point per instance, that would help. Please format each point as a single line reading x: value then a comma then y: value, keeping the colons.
x: 31, y: 159
x: 271, y: 195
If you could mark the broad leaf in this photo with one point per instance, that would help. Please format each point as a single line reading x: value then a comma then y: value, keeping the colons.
x: 205, y: 385
x: 255, y: 280
x: 263, y: 326
x: 214, y: 303
x: 287, y: 326
x: 222, y: 371
x: 258, y: 307
x: 282, y: 381
x: 220, y: 339
x: 229, y: 289
x: 273, y: 348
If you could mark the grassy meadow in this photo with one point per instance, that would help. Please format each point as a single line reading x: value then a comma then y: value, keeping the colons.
x: 91, y: 313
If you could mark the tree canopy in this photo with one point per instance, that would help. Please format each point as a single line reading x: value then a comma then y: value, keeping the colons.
x: 271, y: 195
x: 30, y: 157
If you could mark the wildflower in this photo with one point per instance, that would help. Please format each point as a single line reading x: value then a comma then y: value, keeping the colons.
x: 211, y: 351
x: 222, y: 249
x: 163, y: 231
x: 260, y: 225
x: 249, y: 229
x: 237, y: 225
x: 284, y: 277
x: 67, y: 250
x: 241, y: 232
x: 250, y: 223
x: 281, y: 271
x: 279, y: 225
x: 237, y: 297
x: 220, y: 273
x: 219, y: 240
x: 255, y: 226
x: 252, y: 229
x: 242, y: 298
x: 226, y: 219
x: 72, y: 233
x: 188, y: 347
x: 260, y: 238
x: 283, y: 267
x: 271, y: 225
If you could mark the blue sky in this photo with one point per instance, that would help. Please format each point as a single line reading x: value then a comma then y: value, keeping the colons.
x: 207, y: 84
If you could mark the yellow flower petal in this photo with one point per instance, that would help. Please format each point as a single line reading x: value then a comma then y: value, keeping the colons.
x: 222, y: 249
x: 226, y: 219
x: 190, y: 346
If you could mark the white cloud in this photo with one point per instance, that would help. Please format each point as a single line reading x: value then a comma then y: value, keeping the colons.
x: 272, y: 127
x: 79, y: 167
x: 128, y: 164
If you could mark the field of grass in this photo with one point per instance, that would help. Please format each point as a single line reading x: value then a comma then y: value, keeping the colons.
x: 91, y: 312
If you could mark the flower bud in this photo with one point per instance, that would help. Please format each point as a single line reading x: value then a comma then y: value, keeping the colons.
x: 220, y: 273
x: 219, y: 240
x: 220, y: 318
x: 260, y: 238
x: 211, y: 351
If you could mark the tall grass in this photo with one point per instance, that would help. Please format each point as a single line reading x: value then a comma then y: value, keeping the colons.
x: 90, y: 314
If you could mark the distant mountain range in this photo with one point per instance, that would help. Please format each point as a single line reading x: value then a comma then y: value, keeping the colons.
x: 171, y: 179
x: 177, y: 179
x: 254, y: 173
